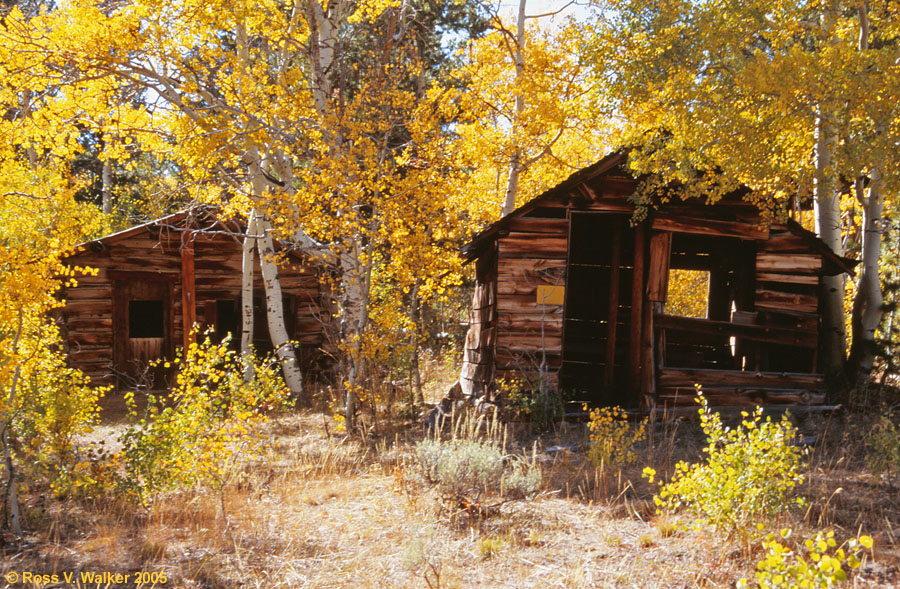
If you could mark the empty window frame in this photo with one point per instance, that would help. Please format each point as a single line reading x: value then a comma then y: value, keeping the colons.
x: 146, y: 318
x: 688, y: 293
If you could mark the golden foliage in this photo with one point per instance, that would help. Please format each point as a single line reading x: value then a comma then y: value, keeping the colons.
x: 688, y: 293
x: 613, y: 438
x: 204, y: 430
x: 557, y: 132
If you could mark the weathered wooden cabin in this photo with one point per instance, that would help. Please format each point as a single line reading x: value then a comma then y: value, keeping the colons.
x: 569, y: 290
x: 156, y: 280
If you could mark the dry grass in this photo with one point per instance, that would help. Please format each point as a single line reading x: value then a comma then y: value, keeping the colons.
x: 326, y: 511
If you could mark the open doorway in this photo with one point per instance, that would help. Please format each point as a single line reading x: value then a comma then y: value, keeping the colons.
x: 597, y: 311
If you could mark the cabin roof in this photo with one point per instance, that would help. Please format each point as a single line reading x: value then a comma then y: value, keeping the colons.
x: 198, y: 218
x: 835, y: 264
x: 472, y: 250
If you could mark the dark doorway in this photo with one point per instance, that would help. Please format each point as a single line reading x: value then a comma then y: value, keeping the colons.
x: 142, y: 318
x: 597, y: 309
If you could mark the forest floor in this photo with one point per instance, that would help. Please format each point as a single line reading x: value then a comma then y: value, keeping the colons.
x: 325, y: 510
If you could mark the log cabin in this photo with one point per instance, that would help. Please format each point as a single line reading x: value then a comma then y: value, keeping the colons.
x: 155, y: 281
x: 571, y: 293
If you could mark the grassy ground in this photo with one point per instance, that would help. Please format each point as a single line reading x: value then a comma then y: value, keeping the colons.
x: 323, y: 510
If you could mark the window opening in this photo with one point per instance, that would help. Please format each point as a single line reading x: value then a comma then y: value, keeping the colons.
x: 146, y: 319
x: 688, y: 293
x: 227, y: 321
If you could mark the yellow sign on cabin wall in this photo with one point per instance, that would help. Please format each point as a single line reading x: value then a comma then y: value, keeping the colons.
x: 551, y: 295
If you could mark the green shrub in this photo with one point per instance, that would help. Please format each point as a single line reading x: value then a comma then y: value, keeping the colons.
x: 199, y: 433
x: 823, y: 566
x: 749, y: 472
x: 542, y: 407
x: 472, y: 471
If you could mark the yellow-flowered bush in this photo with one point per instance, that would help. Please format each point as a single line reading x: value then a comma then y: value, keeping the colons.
x: 613, y: 438
x: 55, y: 406
x: 823, y: 566
x: 204, y: 429
x: 750, y: 472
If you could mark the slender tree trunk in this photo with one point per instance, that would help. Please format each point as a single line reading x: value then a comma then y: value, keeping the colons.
x: 24, y: 110
x: 281, y: 340
x: 867, y: 306
x: 284, y: 349
x: 889, y: 351
x: 325, y: 55
x: 414, y: 342
x: 515, y: 160
x: 355, y: 277
x: 828, y: 227
x: 106, y: 181
x: 247, y: 271
x: 322, y: 44
x: 262, y: 232
x: 12, y: 499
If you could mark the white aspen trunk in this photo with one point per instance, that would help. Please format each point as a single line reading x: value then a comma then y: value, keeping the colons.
x: 281, y: 340
x: 12, y: 499
x: 284, y: 349
x: 106, y: 187
x: 250, y: 242
x: 867, y: 305
x: 249, y: 249
x: 515, y: 160
x: 322, y: 45
x: 828, y: 227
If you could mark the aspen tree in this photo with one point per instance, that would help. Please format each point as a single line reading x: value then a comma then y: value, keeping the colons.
x: 317, y: 116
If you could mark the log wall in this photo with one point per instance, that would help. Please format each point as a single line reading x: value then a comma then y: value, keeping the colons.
x: 477, y: 374
x: 155, y: 254
x: 531, y: 259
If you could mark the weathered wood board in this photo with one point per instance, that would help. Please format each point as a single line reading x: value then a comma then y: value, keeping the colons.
x: 198, y: 270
